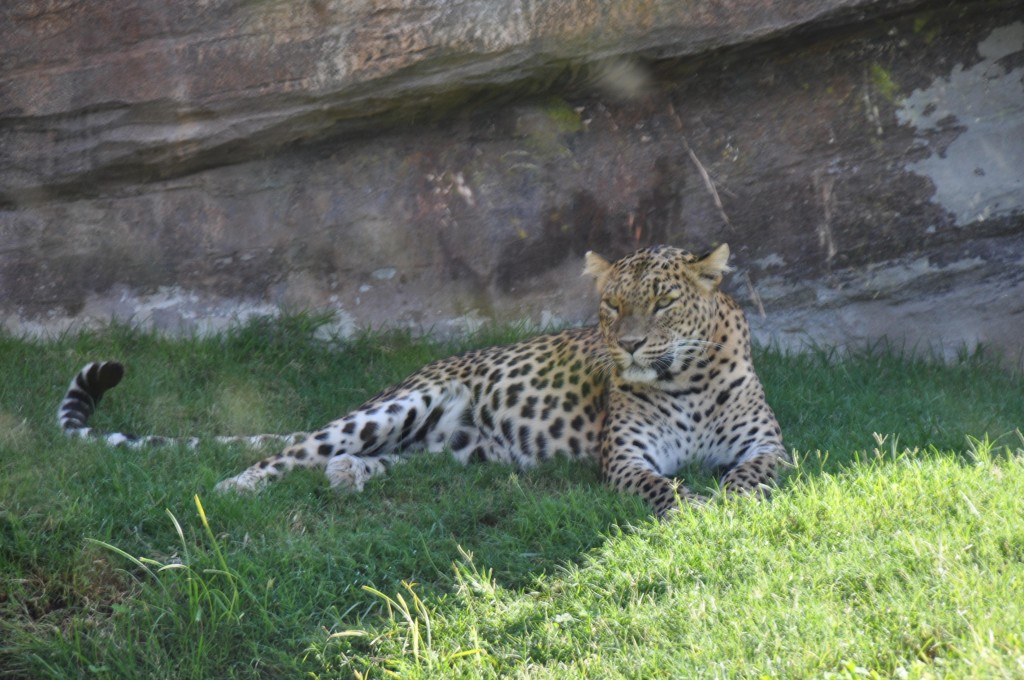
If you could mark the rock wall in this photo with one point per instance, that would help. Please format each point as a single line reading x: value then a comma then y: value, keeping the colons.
x: 435, y: 163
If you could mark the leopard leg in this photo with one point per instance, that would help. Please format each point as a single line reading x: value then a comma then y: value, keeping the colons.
x: 755, y: 474
x: 360, y: 445
x: 639, y: 477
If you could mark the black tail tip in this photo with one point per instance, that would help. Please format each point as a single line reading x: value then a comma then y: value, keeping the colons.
x: 96, y: 378
x: 106, y: 375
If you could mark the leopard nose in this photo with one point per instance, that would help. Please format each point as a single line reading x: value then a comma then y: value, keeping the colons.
x: 631, y: 344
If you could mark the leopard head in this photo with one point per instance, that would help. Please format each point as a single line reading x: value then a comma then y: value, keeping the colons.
x: 657, y: 308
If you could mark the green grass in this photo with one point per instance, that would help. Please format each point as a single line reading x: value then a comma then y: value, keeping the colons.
x: 899, y: 554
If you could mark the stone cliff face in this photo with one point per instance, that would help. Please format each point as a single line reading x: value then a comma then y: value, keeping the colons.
x: 436, y: 163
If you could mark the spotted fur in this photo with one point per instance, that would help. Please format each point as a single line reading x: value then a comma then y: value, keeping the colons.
x: 665, y: 379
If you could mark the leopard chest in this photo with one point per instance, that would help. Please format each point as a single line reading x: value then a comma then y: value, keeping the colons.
x: 675, y: 425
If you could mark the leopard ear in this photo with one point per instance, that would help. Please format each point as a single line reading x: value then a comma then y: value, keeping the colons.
x: 597, y: 267
x: 710, y: 269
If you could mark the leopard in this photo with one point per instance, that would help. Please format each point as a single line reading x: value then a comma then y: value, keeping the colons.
x: 665, y: 379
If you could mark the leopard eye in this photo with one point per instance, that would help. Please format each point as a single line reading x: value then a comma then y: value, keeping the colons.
x: 610, y: 307
x: 665, y: 301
